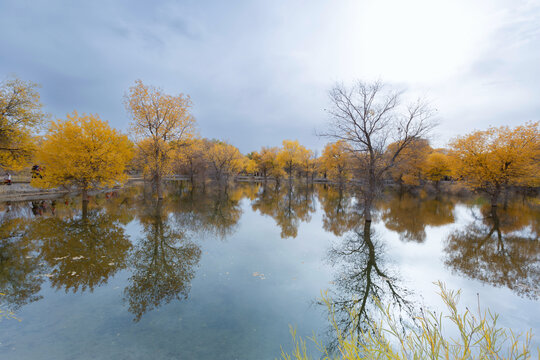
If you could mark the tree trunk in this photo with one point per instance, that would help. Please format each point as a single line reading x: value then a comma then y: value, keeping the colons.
x: 159, y: 188
x: 84, y: 202
x: 368, y: 203
x: 290, y: 178
x: 401, y: 185
x: 495, y: 196
x: 369, y: 194
x: 505, y: 201
x: 367, y: 235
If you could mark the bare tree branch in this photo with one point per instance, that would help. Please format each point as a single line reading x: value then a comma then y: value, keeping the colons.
x: 368, y: 116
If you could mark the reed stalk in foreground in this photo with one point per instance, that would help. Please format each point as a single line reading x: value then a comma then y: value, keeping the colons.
x: 478, y: 337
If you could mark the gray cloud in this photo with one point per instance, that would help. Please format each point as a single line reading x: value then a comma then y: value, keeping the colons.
x: 257, y: 72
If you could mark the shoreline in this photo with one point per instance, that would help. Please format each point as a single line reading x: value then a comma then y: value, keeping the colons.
x: 22, y: 191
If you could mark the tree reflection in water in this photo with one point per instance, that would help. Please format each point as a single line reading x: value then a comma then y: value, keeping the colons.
x: 162, y: 264
x: 82, y: 252
x: 288, y: 206
x: 363, y: 276
x: 222, y: 212
x: 52, y: 240
x: 501, y: 248
x: 208, y: 211
x: 74, y: 252
x: 339, y: 209
x: 20, y: 268
x: 409, y: 215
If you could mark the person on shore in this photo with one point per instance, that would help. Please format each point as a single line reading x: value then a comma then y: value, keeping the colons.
x: 7, y: 179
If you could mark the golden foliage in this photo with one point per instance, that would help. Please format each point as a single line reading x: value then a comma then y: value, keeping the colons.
x: 290, y: 155
x: 224, y: 160
x: 436, y: 167
x: 410, y: 162
x: 20, y: 113
x: 158, y: 115
x: 497, y: 157
x: 309, y: 163
x: 83, y: 151
x: 189, y: 157
x: 336, y: 161
x: 157, y: 119
x: 154, y: 157
x: 268, y: 164
x: 249, y: 166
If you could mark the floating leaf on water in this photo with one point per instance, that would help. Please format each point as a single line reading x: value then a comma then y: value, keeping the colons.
x: 259, y: 275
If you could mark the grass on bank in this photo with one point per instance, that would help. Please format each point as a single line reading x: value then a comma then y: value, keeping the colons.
x: 479, y: 337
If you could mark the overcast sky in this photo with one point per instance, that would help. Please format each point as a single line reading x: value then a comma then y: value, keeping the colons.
x: 259, y: 72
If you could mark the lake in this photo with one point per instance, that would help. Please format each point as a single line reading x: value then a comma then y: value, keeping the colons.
x: 215, y: 274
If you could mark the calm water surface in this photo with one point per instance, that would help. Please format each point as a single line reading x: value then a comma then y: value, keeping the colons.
x: 222, y: 275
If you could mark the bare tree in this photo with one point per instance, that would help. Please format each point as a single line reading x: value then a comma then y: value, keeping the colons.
x: 369, y: 118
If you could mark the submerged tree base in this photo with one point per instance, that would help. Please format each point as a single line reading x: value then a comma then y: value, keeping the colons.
x: 478, y: 337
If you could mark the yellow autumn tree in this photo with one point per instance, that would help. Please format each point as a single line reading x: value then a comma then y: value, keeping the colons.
x: 20, y: 114
x: 224, y: 160
x: 267, y: 163
x: 256, y: 158
x: 308, y: 163
x: 408, y: 165
x: 496, y: 158
x: 255, y: 164
x: 436, y: 167
x: 290, y: 156
x: 336, y: 161
x: 158, y: 119
x: 249, y: 166
x: 189, y: 158
x: 83, y: 151
x: 153, y: 157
